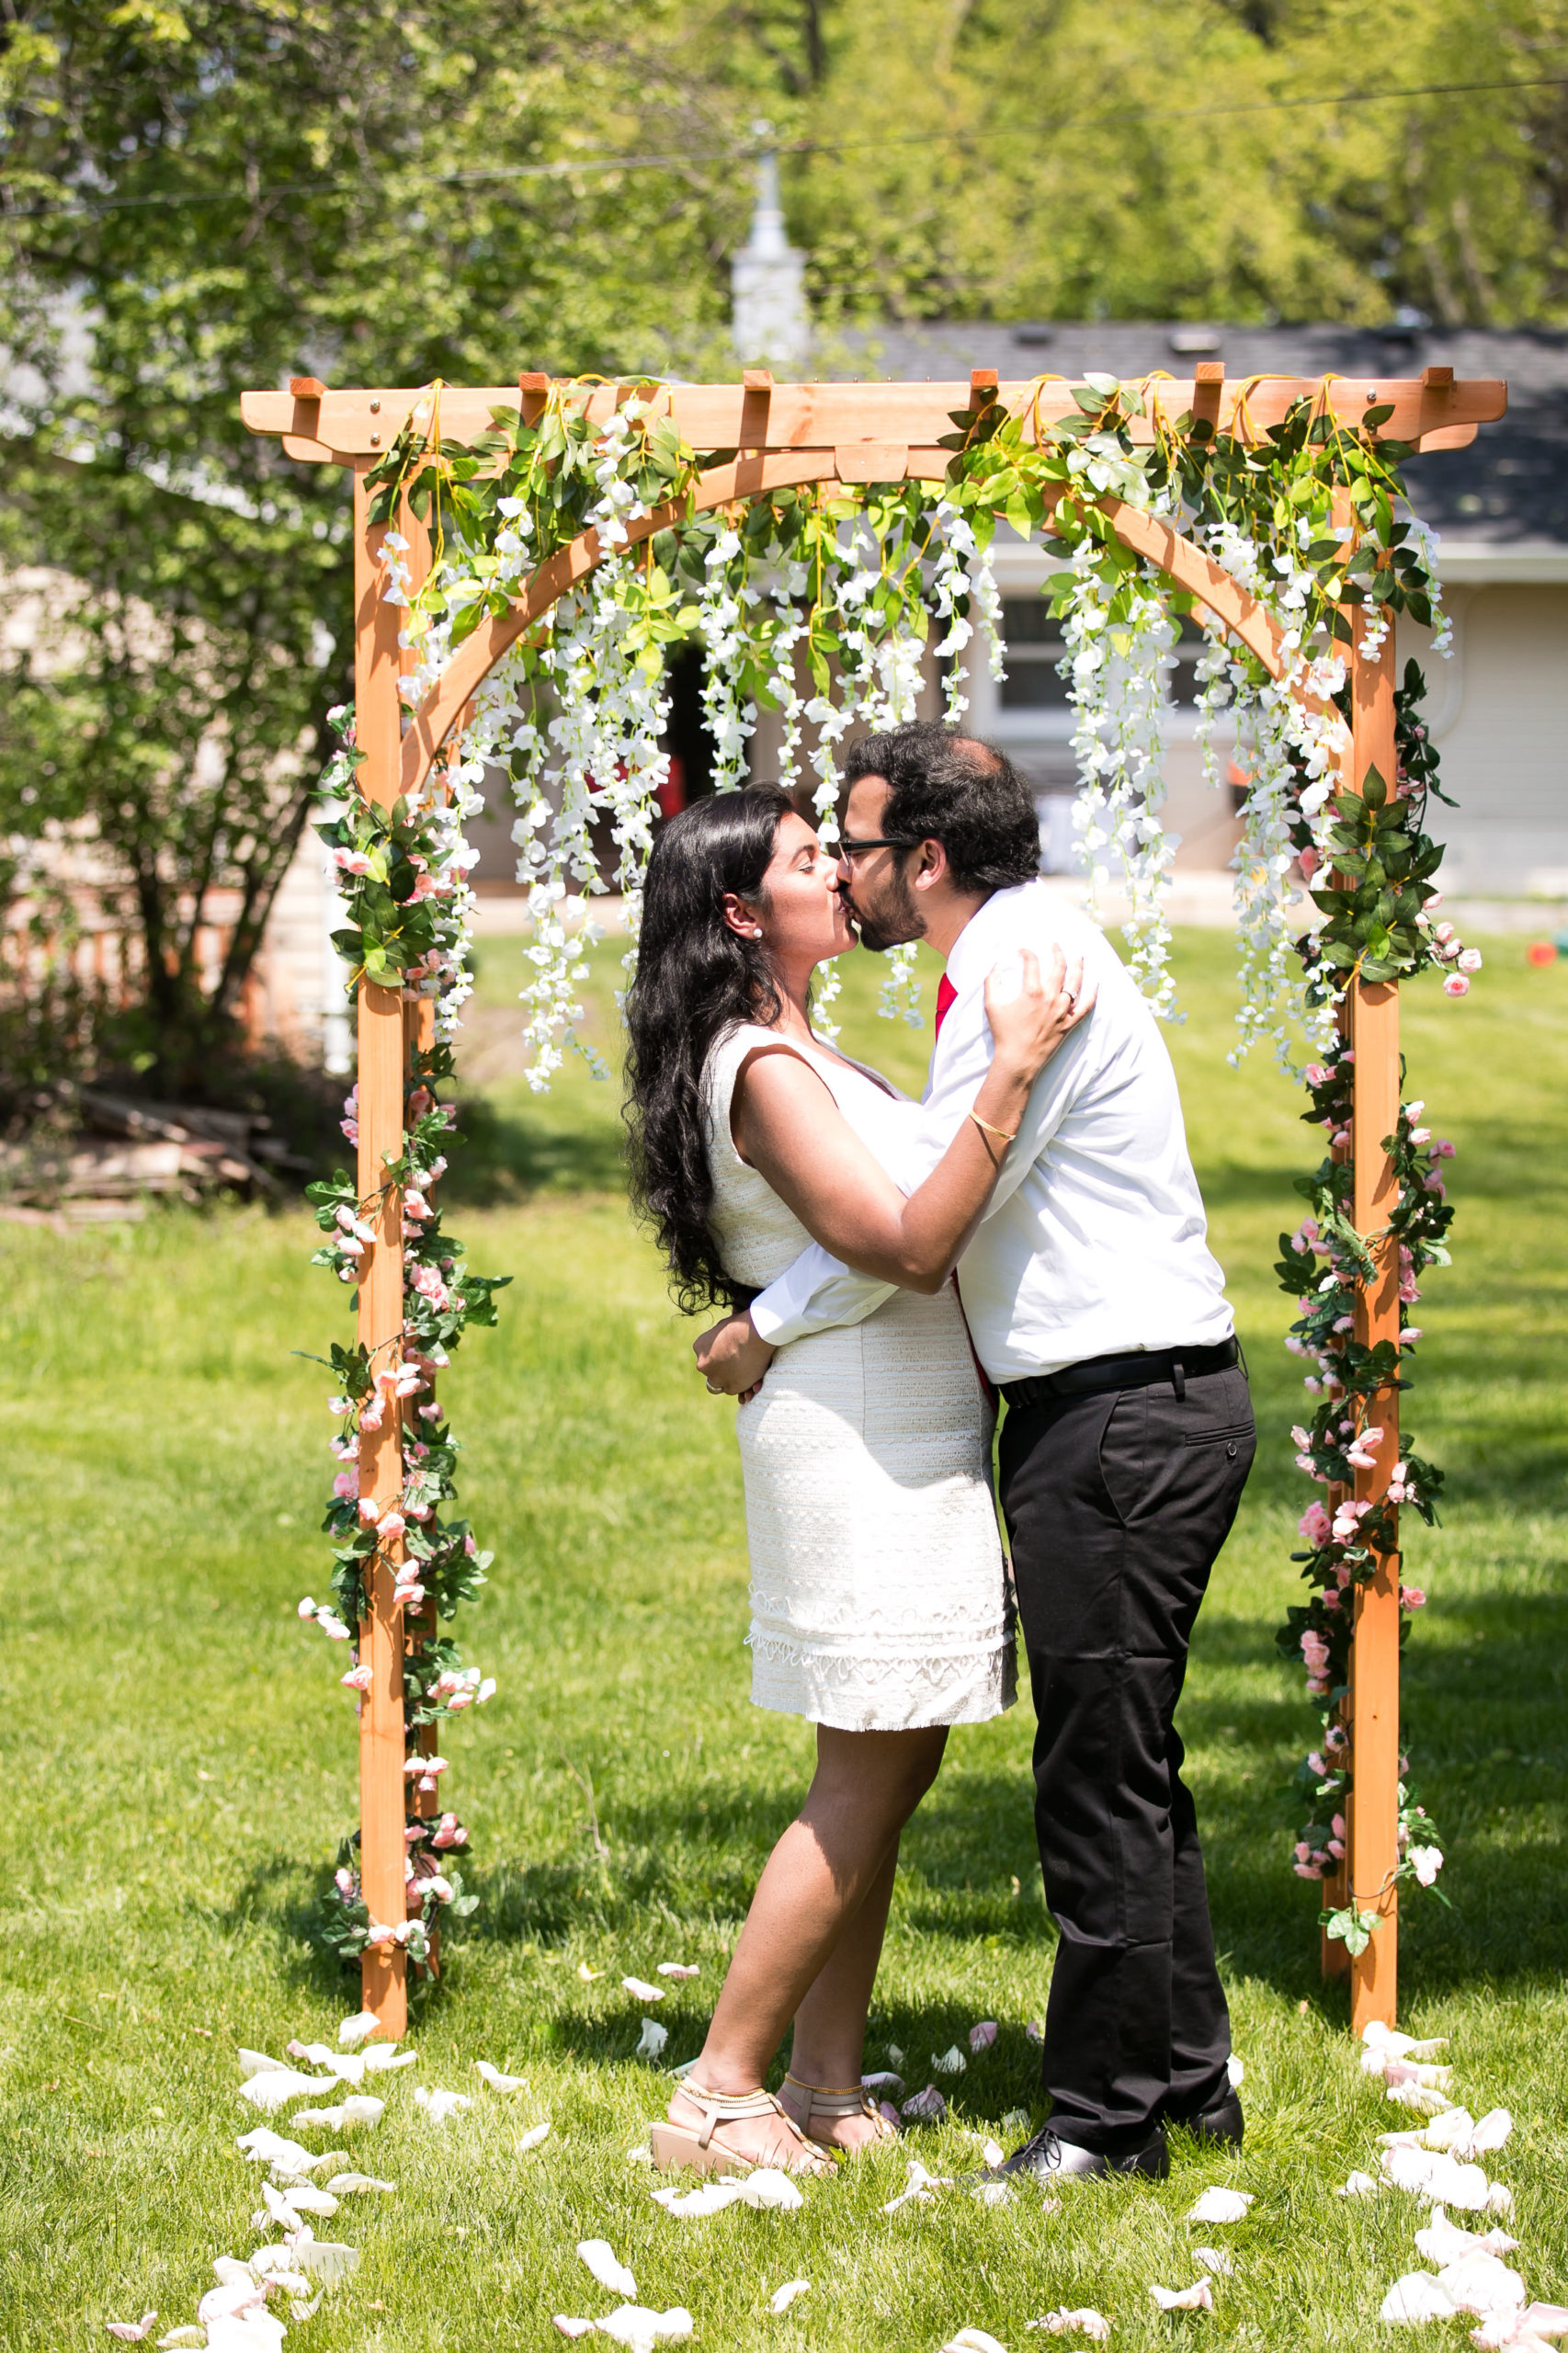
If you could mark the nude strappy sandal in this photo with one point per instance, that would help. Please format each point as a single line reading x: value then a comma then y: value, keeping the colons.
x: 815, y: 2100
x: 693, y: 2145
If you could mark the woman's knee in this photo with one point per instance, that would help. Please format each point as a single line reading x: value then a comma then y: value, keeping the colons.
x: 883, y: 1772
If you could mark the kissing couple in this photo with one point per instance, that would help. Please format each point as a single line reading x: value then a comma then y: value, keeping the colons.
x: 1046, y: 1163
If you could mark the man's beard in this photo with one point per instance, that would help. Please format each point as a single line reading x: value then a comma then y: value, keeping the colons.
x: 896, y: 920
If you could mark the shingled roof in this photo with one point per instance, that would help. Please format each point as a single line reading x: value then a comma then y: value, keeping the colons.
x: 1509, y: 487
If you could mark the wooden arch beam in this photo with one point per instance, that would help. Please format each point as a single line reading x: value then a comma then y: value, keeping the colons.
x: 1226, y: 604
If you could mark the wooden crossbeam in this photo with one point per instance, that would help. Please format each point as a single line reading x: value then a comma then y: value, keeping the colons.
x: 363, y: 424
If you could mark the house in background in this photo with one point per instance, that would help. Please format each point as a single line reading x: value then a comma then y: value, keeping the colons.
x: 1498, y: 703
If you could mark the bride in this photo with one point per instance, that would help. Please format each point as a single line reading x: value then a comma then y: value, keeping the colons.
x: 880, y: 1606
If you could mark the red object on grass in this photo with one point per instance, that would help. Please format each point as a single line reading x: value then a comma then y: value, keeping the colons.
x: 1540, y: 951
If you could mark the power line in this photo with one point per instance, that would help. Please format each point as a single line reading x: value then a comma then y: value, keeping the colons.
x: 567, y: 166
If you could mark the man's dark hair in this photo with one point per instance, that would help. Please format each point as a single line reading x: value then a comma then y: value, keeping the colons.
x: 949, y: 787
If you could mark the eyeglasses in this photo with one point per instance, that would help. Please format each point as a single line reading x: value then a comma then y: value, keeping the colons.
x: 846, y: 848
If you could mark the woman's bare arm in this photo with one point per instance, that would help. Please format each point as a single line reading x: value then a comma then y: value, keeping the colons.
x: 786, y: 1123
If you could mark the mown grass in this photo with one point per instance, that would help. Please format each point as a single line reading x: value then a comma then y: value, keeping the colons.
x: 180, y: 1765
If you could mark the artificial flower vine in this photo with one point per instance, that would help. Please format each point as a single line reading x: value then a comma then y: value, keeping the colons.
x: 820, y: 602
x: 403, y: 875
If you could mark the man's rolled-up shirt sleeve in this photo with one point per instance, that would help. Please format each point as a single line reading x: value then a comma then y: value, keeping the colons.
x: 816, y: 1292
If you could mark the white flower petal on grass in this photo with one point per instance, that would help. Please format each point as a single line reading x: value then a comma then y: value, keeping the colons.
x: 1018, y: 2120
x: 348, y: 2065
x: 360, y: 2108
x: 639, y: 2328
x: 1483, y: 2284
x: 982, y: 2035
x: 763, y: 2186
x: 1434, y: 2175
x: 570, y: 2328
x: 926, y: 2108
x: 1549, y: 2321
x: 496, y: 2080
x: 994, y: 2153
x: 1215, y: 2259
x: 640, y: 2155
x: 1067, y: 2320
x: 257, y: 2063
x: 179, y: 2339
x: 678, y: 1969
x: 354, y: 2032
x: 1498, y: 2199
x: 782, y: 2297
x: 1424, y: 2098
x: 536, y: 2135
x: 1416, y: 2298
x: 229, y: 2271
x: 1198, y: 2298
x: 1491, y: 2133
x: 325, y: 2259
x: 995, y: 2193
x: 1218, y: 2204
x: 884, y: 2080
x: 265, y: 2147
x: 587, y: 1977
x: 895, y: 2054
x: 973, y: 2340
x: 655, y: 2038
x: 303, y: 2310
x: 304, y: 2197
x: 951, y: 2062
x: 353, y: 2184
x: 606, y: 2268
x: 273, y: 2087
x: 1235, y: 2070
x: 766, y: 2186
x: 1360, y: 2185
x: 1444, y: 2241
x: 641, y: 1991
x: 381, y: 2056
x: 131, y: 2332
x: 917, y: 2188
x: 692, y: 2205
x: 1446, y: 2131
x: 1401, y: 2046
x: 438, y: 2105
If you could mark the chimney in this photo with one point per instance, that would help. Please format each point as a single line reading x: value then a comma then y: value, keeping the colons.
x: 769, y: 314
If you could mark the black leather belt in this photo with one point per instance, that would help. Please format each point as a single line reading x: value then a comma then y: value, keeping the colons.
x: 1141, y: 1369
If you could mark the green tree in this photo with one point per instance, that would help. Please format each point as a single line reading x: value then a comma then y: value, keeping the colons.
x: 213, y: 194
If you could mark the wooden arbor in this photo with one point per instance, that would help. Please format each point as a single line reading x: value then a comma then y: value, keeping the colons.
x: 854, y: 434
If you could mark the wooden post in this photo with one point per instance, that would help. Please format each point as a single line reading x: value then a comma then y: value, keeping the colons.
x: 1373, y: 1820
x: 377, y: 733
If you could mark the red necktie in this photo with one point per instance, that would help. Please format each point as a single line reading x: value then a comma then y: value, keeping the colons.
x: 946, y: 995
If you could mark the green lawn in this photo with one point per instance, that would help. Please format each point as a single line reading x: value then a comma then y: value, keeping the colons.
x: 181, y: 1765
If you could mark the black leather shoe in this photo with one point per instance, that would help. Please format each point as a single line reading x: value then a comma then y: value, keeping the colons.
x: 1220, y: 2127
x: 1047, y: 2160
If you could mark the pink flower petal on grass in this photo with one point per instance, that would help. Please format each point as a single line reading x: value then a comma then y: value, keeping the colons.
x: 131, y: 2332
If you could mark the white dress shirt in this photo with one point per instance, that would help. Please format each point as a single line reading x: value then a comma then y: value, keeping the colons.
x: 1095, y: 1240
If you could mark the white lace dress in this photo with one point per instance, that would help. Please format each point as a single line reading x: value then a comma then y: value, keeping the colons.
x: 879, y: 1599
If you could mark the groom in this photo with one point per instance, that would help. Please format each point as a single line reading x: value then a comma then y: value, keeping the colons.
x: 1098, y: 1310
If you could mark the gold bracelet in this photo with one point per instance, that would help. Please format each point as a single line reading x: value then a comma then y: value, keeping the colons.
x: 1007, y: 1136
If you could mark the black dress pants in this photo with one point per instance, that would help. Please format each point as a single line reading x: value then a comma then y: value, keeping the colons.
x: 1117, y: 1506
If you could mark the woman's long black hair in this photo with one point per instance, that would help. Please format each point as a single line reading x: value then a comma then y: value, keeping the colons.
x: 694, y: 979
